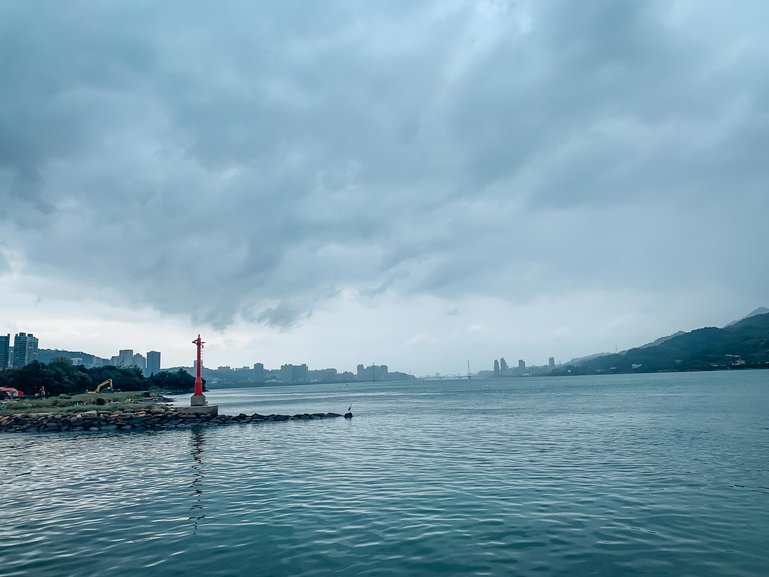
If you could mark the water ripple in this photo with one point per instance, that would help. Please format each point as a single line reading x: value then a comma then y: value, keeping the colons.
x: 553, y: 477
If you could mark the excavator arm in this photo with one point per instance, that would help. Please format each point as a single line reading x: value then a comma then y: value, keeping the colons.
x: 100, y: 386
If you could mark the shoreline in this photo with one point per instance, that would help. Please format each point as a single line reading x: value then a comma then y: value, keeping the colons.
x: 130, y: 411
x: 147, y: 419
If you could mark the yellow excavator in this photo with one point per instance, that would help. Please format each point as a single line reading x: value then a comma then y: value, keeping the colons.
x: 100, y: 386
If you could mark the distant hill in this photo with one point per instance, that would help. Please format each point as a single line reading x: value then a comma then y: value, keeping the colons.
x: 739, y: 345
x: 758, y: 311
x: 580, y: 360
x: 47, y: 355
x: 661, y: 340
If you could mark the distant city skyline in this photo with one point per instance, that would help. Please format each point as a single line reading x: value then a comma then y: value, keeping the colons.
x: 290, y: 373
x: 26, y: 349
x: 27, y: 345
x: 216, y: 351
x: 127, y: 357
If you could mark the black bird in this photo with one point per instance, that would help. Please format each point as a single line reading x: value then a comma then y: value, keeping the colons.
x: 349, y: 408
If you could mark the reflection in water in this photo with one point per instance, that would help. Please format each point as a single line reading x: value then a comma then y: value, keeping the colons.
x: 196, y: 510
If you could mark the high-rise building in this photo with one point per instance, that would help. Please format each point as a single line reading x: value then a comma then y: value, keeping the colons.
x: 521, y: 364
x: 24, y: 349
x: 328, y: 375
x: 301, y: 373
x: 551, y: 363
x: 294, y: 373
x: 139, y: 361
x: 503, y: 366
x: 496, y: 368
x: 5, y: 351
x: 153, y: 363
x: 259, y: 372
x: 125, y: 358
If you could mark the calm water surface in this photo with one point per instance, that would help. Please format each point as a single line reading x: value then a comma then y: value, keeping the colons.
x: 630, y: 475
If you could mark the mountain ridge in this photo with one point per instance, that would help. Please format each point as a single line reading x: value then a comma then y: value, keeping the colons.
x: 758, y: 311
x: 739, y: 345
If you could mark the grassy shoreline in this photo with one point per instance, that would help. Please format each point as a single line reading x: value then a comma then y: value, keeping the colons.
x: 122, y: 401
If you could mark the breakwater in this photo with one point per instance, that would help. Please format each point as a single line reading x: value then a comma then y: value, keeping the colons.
x: 153, y: 418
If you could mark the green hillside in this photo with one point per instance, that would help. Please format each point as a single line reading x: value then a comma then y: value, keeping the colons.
x: 744, y: 344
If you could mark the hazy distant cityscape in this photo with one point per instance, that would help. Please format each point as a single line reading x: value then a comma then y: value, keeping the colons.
x: 501, y: 369
x: 740, y: 344
x: 26, y: 348
x: 299, y: 374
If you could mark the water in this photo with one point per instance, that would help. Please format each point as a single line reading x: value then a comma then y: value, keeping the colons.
x: 630, y: 475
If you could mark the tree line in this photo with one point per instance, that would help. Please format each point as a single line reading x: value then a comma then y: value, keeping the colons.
x: 60, y: 376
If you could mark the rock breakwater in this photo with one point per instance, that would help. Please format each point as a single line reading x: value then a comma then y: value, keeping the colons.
x: 154, y: 418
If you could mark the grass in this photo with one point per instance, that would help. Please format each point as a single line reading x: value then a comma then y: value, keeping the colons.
x: 129, y: 400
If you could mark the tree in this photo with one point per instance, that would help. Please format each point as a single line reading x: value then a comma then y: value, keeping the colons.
x: 123, y: 378
x: 64, y: 377
x: 30, y: 378
x: 179, y: 380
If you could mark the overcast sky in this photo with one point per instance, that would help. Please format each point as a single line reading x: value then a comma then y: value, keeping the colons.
x: 412, y: 183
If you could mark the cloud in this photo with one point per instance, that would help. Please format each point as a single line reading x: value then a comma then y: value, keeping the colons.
x: 250, y: 162
x: 283, y: 315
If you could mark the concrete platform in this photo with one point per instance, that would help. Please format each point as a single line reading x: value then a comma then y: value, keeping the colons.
x: 199, y: 409
x: 198, y: 401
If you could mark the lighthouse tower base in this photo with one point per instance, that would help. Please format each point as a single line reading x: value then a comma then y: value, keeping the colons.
x: 198, y: 401
x: 199, y: 406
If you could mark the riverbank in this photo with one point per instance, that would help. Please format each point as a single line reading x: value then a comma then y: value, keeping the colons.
x: 134, y: 411
x: 129, y: 400
x: 154, y: 418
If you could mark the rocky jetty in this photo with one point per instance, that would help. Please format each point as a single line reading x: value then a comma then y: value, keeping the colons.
x: 150, y: 419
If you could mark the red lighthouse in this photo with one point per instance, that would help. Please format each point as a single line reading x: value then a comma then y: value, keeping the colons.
x: 198, y: 379
x: 198, y: 403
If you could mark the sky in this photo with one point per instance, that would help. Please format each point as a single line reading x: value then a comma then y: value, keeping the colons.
x: 417, y: 184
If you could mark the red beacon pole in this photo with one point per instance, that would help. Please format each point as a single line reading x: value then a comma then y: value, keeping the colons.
x: 198, y: 379
x: 198, y: 403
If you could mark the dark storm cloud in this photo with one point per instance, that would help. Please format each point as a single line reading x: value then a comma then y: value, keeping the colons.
x: 253, y: 159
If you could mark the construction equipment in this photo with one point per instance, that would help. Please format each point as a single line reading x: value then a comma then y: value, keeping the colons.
x: 100, y: 386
